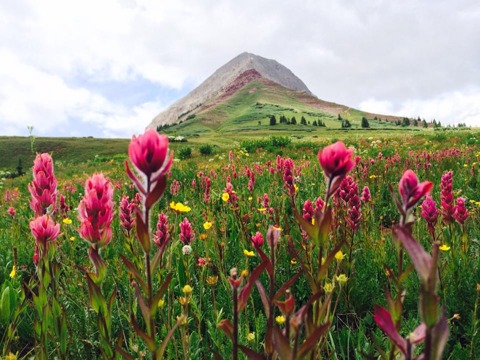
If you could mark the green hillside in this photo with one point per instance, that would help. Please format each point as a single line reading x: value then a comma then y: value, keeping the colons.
x: 251, y: 108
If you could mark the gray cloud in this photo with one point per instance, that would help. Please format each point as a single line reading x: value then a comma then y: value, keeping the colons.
x: 409, y: 58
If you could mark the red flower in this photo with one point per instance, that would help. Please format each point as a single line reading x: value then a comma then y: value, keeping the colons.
x: 95, y: 211
x: 44, y: 230
x: 460, y: 211
x: 411, y: 191
x: 43, y: 187
x: 336, y: 160
x: 149, y: 153
x: 257, y: 240
x: 186, y: 233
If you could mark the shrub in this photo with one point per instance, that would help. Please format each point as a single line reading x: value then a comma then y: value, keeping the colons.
x: 206, y: 149
x: 185, y: 153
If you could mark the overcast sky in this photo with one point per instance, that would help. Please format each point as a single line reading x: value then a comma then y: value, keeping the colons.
x: 105, y: 68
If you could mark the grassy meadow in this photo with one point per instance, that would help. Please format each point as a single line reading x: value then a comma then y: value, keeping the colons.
x: 337, y: 283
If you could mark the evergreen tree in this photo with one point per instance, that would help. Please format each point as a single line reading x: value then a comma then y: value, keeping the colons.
x: 315, y: 123
x: 303, y: 121
x: 273, y: 120
x: 365, y: 123
x: 293, y: 121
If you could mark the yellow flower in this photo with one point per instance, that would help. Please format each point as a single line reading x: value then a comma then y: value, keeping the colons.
x: 207, y: 225
x: 280, y: 319
x: 14, y: 272
x: 225, y: 197
x: 72, y: 238
x: 293, y: 261
x: 212, y: 280
x: 179, y: 207
x: 67, y: 221
x: 251, y: 336
x: 313, y: 221
x: 161, y: 303
x: 187, y: 289
x: 248, y: 253
x: 444, y: 247
x: 182, y: 300
x: 342, y: 279
x: 244, y: 273
x: 250, y: 199
x: 262, y: 210
x: 328, y: 287
x: 339, y: 256
x: 295, y: 187
x: 11, y: 356
x: 203, y: 236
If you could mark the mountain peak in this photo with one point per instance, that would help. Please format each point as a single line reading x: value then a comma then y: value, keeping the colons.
x: 247, y: 67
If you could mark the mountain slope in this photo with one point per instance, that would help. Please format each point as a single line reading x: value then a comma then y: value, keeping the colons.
x: 219, y: 85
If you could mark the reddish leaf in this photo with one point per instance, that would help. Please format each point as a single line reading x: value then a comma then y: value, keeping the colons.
x: 134, y: 271
x: 165, y: 341
x: 160, y: 292
x: 247, y: 289
x: 157, y: 192
x: 311, y: 230
x: 312, y: 340
x: 135, y: 180
x: 384, y: 321
x: 227, y: 327
x: 440, y: 334
x: 252, y: 355
x: 265, y: 258
x: 281, y: 344
x: 143, y: 233
x: 287, y: 285
x: 263, y: 296
x: 324, y: 225
x: 420, y: 258
x: 143, y: 305
x: 148, y: 340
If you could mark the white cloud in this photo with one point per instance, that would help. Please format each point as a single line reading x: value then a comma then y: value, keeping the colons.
x: 417, y: 57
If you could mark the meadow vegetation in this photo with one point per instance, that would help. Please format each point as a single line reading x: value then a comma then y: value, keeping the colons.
x: 255, y: 248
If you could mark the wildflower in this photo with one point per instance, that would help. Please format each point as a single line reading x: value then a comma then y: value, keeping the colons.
x: 273, y: 235
x: 207, y: 225
x: 446, y: 197
x: 248, y: 253
x: 336, y: 161
x: 186, y: 232
x: 203, y: 237
x: 328, y: 287
x: 430, y: 212
x: 161, y: 236
x: 444, y: 247
x: 67, y: 221
x: 127, y: 208
x: 244, y: 273
x: 13, y: 272
x: 95, y: 211
x: 339, y: 256
x: 179, y: 207
x: 44, y: 230
x: 161, y: 303
x: 11, y: 211
x: 411, y: 191
x: 280, y: 319
x: 225, y: 196
x: 257, y: 240
x: 43, y: 187
x: 187, y: 289
x: 149, y: 153
x: 342, y: 279
x: 212, y: 280
x: 293, y: 261
x: 250, y: 336
x: 460, y: 212
x: 366, y: 196
x: 72, y: 238
x: 186, y: 250
x: 182, y: 300
x: 262, y: 210
x: 201, y: 262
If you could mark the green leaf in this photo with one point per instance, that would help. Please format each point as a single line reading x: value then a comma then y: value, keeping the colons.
x: 312, y: 340
x: 135, y: 272
x: 143, y: 233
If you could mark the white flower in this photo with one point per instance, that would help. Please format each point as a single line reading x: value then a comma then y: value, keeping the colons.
x: 187, y: 250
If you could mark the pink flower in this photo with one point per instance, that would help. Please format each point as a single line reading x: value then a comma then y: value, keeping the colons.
x: 446, y: 197
x: 95, y: 211
x: 149, y: 153
x: 11, y: 211
x: 336, y: 160
x: 366, y: 196
x: 186, y: 233
x: 127, y: 208
x: 460, y: 211
x: 202, y: 262
x: 161, y: 236
x: 44, y: 230
x: 257, y: 240
x: 43, y: 187
x: 273, y: 235
x: 430, y: 211
x: 411, y: 191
